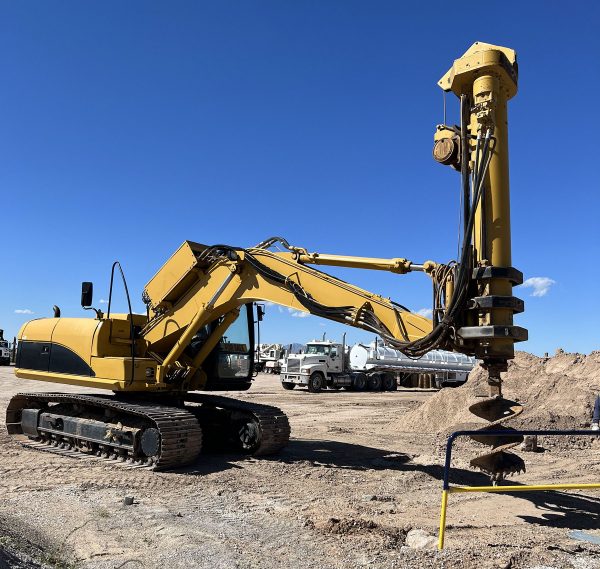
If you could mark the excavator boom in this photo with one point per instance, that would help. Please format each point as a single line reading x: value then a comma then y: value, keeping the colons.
x: 218, y: 280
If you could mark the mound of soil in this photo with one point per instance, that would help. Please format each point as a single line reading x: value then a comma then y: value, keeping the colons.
x: 556, y: 393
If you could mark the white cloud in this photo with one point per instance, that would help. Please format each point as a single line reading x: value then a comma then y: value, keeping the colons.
x: 298, y: 313
x: 23, y: 311
x: 427, y: 312
x: 103, y: 301
x: 540, y: 285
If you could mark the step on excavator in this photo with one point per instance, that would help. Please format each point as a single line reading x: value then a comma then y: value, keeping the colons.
x: 198, y: 333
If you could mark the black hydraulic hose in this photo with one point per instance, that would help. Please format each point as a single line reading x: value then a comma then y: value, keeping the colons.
x: 339, y: 312
x: 131, y: 327
x: 271, y: 241
x: 437, y: 335
x: 464, y: 159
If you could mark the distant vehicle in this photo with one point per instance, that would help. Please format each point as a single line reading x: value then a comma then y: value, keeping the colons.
x: 4, y: 350
x: 268, y: 358
x: 333, y: 365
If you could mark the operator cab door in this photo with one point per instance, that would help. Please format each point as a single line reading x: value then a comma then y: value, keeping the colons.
x: 334, y: 361
x: 230, y: 364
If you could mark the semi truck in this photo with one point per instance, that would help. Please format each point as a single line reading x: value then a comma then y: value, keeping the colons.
x: 375, y: 367
x: 4, y: 350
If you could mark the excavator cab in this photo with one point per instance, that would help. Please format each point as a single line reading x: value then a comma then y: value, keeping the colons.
x: 230, y: 365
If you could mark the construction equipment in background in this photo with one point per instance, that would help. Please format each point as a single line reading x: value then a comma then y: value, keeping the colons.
x: 198, y: 334
x: 331, y: 365
x: 268, y: 357
x: 4, y: 350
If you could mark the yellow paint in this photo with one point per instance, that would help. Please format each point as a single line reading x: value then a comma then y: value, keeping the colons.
x: 521, y: 488
x: 497, y: 489
x: 442, y: 532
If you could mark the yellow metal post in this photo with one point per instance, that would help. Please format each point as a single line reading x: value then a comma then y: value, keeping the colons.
x: 523, y: 488
x: 442, y: 532
x: 497, y: 489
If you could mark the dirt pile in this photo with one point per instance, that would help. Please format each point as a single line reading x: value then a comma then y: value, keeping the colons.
x: 556, y: 392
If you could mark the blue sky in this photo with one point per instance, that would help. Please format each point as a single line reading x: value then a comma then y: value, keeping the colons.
x: 128, y: 127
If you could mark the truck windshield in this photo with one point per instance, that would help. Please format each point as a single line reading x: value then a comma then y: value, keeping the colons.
x: 317, y: 349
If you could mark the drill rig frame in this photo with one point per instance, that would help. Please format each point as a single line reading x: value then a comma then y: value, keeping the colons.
x: 153, y: 362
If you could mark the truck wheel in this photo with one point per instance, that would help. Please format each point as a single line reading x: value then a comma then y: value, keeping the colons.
x: 288, y: 385
x: 389, y: 382
x: 359, y: 382
x: 374, y: 382
x: 316, y: 382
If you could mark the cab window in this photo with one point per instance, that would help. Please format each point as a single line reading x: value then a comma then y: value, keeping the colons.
x: 317, y: 349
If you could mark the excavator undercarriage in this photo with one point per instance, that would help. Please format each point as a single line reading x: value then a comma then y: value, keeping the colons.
x: 140, y: 432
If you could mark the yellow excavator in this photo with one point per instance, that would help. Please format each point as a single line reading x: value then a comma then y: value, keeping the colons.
x: 198, y: 333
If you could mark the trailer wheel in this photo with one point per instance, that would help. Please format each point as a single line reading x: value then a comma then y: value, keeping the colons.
x: 374, y: 382
x: 359, y: 381
x: 316, y: 382
x: 288, y: 385
x: 389, y: 382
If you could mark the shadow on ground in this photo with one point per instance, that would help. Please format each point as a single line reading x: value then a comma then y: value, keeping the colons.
x: 558, y: 509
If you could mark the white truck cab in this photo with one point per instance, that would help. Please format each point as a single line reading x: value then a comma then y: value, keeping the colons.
x: 323, y: 365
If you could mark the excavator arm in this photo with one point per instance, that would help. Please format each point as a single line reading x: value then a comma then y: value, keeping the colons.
x: 200, y: 285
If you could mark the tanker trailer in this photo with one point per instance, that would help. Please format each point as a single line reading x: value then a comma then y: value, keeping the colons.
x: 375, y: 367
x: 437, y: 368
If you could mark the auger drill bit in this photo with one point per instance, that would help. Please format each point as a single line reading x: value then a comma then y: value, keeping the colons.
x: 497, y: 463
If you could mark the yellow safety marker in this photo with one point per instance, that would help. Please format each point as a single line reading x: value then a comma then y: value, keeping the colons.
x: 497, y: 489
x: 448, y: 489
x: 442, y: 532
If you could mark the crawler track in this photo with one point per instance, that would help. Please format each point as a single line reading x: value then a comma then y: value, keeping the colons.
x: 178, y: 430
x: 273, y: 424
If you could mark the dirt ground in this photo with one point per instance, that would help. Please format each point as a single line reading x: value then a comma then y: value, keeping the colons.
x: 343, y: 494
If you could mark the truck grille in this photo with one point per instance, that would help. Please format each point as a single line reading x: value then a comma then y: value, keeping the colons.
x: 293, y: 364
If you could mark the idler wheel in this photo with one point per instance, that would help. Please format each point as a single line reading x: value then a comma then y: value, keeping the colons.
x: 150, y: 442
